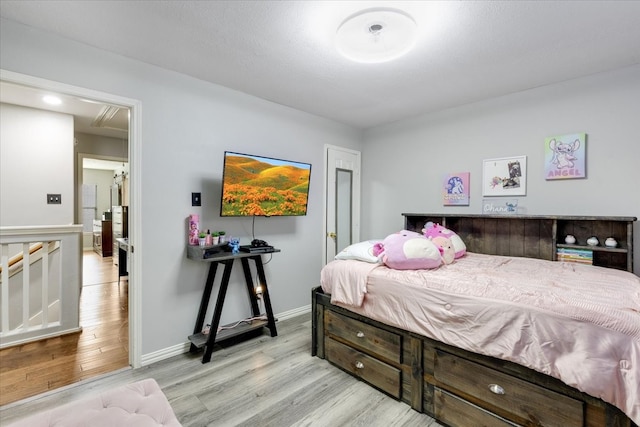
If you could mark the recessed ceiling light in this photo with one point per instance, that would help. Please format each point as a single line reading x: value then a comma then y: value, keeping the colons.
x: 52, y: 100
x: 376, y: 35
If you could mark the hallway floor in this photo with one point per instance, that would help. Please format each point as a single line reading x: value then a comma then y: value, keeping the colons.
x: 101, y: 347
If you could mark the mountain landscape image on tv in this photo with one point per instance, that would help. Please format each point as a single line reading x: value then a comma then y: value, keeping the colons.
x: 263, y: 186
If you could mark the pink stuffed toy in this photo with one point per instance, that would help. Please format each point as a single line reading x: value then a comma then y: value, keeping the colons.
x: 408, y: 250
x: 432, y: 230
x: 445, y: 246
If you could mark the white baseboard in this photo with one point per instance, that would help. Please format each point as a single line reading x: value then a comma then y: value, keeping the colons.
x: 178, y: 349
x: 165, y: 353
x: 293, y: 313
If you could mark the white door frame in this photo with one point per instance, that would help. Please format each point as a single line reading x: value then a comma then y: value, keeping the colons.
x: 135, y: 150
x: 329, y: 172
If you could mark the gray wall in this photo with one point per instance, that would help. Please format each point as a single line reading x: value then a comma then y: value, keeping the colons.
x: 101, y: 146
x: 103, y: 179
x: 605, y: 106
x: 187, y: 124
x: 31, y: 158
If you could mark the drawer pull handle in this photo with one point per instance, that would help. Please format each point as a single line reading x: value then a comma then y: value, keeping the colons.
x: 359, y: 365
x: 496, y: 389
x: 360, y: 334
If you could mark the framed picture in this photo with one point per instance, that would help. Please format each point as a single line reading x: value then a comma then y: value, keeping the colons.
x: 455, y: 189
x: 506, y: 176
x: 565, y: 156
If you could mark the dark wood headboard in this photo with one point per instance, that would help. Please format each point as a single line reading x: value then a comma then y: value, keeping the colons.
x: 537, y: 236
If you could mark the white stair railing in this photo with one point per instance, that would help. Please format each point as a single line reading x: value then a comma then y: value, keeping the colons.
x: 41, y: 267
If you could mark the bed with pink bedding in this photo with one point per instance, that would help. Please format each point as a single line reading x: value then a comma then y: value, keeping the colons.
x: 567, y: 330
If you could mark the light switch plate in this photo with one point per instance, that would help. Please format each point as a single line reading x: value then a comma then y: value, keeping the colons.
x: 196, y: 199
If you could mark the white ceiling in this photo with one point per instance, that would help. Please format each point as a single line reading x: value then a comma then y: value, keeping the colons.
x: 283, y: 51
x: 90, y: 117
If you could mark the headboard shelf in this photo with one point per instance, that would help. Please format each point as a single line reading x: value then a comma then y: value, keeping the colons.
x: 617, y: 249
x: 538, y: 236
x: 562, y: 217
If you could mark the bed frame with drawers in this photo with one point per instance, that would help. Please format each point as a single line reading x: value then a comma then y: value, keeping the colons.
x: 457, y: 387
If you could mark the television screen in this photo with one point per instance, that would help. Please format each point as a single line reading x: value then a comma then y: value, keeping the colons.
x: 263, y: 186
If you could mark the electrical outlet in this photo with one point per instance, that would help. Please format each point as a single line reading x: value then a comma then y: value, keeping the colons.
x: 54, y: 199
x: 196, y: 200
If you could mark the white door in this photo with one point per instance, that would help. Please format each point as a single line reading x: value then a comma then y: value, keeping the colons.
x: 342, y: 204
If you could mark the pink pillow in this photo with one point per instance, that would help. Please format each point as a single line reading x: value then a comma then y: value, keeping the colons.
x: 408, y: 250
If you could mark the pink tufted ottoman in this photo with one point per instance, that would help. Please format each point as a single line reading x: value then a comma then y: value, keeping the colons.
x: 140, y: 404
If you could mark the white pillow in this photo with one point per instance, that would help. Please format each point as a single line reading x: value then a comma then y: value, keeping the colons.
x: 362, y: 251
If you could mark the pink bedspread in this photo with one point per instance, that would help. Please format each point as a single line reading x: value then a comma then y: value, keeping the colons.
x: 577, y: 323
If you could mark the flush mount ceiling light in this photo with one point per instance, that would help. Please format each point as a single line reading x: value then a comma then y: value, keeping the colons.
x: 376, y: 35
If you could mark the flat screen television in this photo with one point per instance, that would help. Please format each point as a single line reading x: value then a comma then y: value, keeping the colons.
x: 263, y: 186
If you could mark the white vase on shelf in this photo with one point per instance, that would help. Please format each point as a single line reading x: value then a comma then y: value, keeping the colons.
x: 610, y: 242
x: 593, y: 241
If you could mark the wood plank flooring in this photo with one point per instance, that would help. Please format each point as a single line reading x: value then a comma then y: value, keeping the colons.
x: 260, y: 382
x: 102, y: 346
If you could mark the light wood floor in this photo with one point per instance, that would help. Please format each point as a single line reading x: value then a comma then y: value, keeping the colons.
x: 260, y: 382
x: 102, y: 346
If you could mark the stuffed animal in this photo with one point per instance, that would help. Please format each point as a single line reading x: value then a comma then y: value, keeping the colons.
x: 234, y: 243
x: 408, y: 250
x: 433, y: 230
x: 445, y: 246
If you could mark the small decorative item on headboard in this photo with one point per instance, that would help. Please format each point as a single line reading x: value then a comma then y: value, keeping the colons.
x: 593, y: 241
x: 500, y: 206
x: 610, y: 242
x: 570, y: 239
